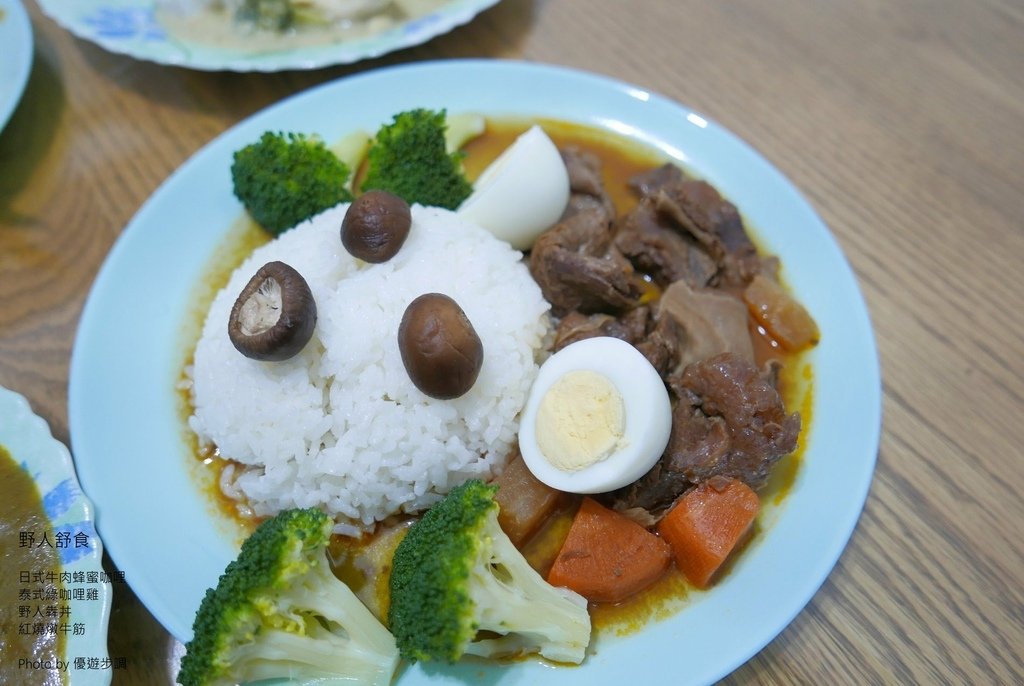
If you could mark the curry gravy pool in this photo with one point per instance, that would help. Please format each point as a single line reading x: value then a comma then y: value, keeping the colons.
x: 621, y: 159
x: 21, y: 509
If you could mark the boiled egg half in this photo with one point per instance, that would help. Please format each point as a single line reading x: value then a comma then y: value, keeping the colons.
x: 521, y: 193
x: 597, y: 418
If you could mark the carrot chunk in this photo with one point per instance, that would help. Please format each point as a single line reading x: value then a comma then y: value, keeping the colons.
x: 707, y: 524
x: 607, y: 557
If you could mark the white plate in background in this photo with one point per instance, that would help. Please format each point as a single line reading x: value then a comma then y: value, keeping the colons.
x: 131, y: 27
x: 16, y: 50
x: 27, y: 438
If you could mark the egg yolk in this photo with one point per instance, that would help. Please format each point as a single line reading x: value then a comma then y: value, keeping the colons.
x: 580, y: 420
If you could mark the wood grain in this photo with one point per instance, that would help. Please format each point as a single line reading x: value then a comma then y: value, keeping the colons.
x: 902, y: 123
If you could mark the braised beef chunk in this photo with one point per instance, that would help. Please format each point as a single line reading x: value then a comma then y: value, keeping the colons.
x: 586, y: 189
x: 656, y: 248
x: 728, y: 421
x: 578, y: 268
x: 684, y: 230
x: 770, y: 372
x: 715, y: 223
x: 652, y: 494
x: 648, y: 182
x: 657, y: 340
x: 661, y: 345
x: 576, y: 263
x: 575, y: 326
x: 709, y: 321
x: 729, y: 387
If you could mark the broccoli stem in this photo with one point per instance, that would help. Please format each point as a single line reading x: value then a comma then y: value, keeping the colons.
x: 319, y: 593
x: 507, y: 592
x: 280, y: 654
x: 317, y: 618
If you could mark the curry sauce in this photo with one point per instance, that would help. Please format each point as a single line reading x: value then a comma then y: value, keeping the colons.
x: 21, y: 510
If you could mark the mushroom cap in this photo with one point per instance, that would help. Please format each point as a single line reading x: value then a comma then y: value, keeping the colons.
x: 440, y: 349
x: 274, y: 315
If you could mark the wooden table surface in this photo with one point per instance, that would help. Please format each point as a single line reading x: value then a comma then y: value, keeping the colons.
x: 902, y: 123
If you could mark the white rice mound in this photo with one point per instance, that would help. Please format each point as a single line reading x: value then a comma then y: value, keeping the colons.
x: 340, y: 426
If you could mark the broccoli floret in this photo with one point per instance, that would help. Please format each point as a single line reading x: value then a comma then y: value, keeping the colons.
x: 408, y: 158
x: 279, y: 611
x: 283, y: 179
x: 459, y: 586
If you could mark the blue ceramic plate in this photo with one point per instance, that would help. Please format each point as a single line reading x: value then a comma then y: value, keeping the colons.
x: 15, y: 56
x: 130, y: 442
x: 27, y: 438
x: 131, y: 27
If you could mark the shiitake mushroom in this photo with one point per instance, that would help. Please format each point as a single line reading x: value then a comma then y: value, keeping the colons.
x: 375, y: 226
x: 440, y: 349
x: 274, y: 316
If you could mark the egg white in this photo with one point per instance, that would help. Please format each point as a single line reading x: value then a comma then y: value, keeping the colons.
x: 522, y: 193
x: 648, y: 413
